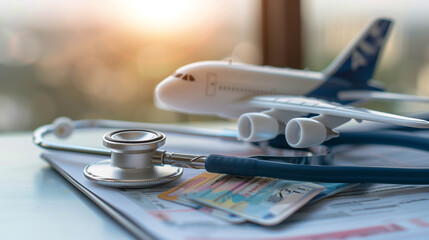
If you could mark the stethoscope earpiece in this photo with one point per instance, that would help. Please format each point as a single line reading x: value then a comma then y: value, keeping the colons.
x: 63, y: 127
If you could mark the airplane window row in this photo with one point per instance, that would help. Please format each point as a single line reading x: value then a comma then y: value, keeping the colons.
x: 247, y: 90
x: 185, y: 77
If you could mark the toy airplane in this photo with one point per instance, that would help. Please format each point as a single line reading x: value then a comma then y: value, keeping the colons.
x: 269, y: 101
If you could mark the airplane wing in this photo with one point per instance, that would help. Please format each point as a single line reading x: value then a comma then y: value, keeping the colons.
x: 377, y: 95
x: 317, y: 106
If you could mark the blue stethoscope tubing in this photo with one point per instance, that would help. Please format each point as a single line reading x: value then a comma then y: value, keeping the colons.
x: 341, y: 174
x: 283, y: 167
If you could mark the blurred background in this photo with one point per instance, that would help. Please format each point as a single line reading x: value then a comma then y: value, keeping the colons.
x: 103, y: 58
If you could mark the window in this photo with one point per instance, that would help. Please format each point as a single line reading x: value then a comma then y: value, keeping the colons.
x: 178, y: 75
x: 188, y: 77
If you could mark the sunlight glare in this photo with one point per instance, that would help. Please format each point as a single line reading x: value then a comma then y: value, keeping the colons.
x: 160, y: 15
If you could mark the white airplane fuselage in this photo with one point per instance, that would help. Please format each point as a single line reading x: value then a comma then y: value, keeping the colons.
x: 307, y: 107
x: 219, y: 87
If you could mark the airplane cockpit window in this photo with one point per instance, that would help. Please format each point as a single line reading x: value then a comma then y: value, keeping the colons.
x: 178, y: 75
x: 187, y: 77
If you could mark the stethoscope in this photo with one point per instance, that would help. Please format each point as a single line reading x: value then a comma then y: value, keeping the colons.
x: 135, y: 161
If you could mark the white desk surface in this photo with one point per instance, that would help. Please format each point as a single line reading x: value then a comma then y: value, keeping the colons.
x: 37, y: 203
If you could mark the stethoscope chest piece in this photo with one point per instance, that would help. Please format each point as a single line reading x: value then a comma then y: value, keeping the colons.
x: 131, y: 164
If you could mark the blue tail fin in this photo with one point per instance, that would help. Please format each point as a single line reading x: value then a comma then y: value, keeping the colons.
x: 355, y: 66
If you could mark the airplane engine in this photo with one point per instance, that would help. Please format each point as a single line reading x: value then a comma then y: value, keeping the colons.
x: 254, y: 127
x: 305, y: 132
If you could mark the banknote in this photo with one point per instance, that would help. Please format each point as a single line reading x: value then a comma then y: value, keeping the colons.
x: 199, y: 183
x: 207, y: 182
x: 331, y: 189
x: 265, y: 201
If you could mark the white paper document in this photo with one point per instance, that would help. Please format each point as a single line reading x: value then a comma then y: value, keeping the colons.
x: 368, y: 211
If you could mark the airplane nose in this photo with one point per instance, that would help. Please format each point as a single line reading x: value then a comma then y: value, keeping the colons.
x: 167, y: 93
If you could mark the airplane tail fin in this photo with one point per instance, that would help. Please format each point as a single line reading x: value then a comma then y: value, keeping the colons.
x: 357, y: 62
x: 355, y: 65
